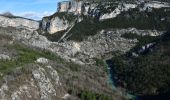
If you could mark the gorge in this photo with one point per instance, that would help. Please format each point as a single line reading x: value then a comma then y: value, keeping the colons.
x: 88, y: 50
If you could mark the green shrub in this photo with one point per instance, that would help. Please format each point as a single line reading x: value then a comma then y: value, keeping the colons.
x: 88, y: 95
x: 73, y: 66
x: 99, y: 62
x: 25, y: 55
x: 54, y: 37
x: 130, y: 36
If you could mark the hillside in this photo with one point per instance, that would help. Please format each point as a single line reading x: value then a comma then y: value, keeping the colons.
x: 87, y: 50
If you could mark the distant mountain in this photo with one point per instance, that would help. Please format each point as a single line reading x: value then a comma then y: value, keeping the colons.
x: 8, y: 14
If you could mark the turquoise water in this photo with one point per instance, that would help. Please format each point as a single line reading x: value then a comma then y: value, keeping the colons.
x: 112, y: 80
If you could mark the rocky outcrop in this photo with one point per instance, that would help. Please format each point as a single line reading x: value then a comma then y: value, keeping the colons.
x: 46, y: 87
x: 121, y: 7
x: 156, y: 4
x: 54, y: 25
x: 18, y: 23
x: 63, y: 6
x: 37, y: 83
x: 4, y: 57
x: 78, y: 7
x: 42, y: 60
x: 73, y: 6
x: 117, y: 11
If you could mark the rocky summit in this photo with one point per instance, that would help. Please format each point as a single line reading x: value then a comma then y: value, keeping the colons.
x: 88, y: 50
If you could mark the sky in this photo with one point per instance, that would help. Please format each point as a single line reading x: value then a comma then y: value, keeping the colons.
x: 33, y: 9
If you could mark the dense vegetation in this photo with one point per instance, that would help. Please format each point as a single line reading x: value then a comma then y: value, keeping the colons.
x: 148, y: 73
x: 88, y: 95
x: 54, y: 37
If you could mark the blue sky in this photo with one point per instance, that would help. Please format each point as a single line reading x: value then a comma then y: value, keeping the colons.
x: 34, y: 9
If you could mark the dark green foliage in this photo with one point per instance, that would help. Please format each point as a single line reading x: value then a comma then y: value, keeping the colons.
x: 130, y: 36
x: 54, y: 37
x: 146, y: 74
x: 99, y: 62
x: 73, y: 66
x: 143, y: 40
x: 3, y: 36
x: 88, y: 95
x: 84, y: 29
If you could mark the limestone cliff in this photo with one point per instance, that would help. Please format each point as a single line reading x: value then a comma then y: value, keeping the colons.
x: 54, y: 25
x: 18, y: 22
x: 69, y: 12
x: 58, y: 22
x: 71, y: 6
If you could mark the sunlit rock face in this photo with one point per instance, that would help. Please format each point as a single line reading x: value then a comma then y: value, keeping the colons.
x: 56, y: 24
x: 117, y: 11
x: 63, y: 6
x: 42, y: 83
x: 156, y: 4
x: 76, y: 7
x: 18, y: 23
x: 70, y: 6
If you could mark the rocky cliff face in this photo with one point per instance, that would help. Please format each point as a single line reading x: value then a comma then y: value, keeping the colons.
x: 71, y: 6
x: 108, y: 8
x: 18, y: 23
x: 58, y: 22
x: 54, y: 25
x: 99, y: 10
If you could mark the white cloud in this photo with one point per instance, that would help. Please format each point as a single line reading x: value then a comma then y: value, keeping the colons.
x: 34, y: 15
